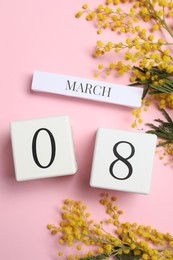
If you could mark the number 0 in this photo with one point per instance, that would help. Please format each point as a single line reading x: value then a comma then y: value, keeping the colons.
x: 34, y: 151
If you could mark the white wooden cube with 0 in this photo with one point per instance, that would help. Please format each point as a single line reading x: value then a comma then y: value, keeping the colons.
x: 123, y: 160
x: 43, y: 148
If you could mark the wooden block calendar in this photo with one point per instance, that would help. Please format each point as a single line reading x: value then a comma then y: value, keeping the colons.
x: 43, y: 148
x: 123, y: 160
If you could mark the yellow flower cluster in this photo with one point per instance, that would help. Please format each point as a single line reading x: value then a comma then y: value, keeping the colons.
x: 166, y: 153
x: 140, y: 45
x: 165, y: 100
x: 137, y: 113
x: 77, y: 229
x: 146, y: 54
x: 158, y: 80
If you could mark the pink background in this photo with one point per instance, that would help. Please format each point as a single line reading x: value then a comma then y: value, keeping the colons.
x: 44, y: 35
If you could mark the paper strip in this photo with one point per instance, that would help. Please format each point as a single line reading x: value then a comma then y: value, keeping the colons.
x: 87, y: 89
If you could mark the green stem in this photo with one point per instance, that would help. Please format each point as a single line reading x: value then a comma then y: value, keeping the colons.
x: 157, y: 18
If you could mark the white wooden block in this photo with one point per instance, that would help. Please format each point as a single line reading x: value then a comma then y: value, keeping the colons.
x: 43, y: 148
x: 123, y: 160
x: 87, y: 89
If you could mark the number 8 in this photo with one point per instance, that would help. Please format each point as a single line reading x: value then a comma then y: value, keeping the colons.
x: 123, y: 159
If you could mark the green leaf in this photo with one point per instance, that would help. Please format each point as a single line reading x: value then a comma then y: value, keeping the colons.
x: 161, y: 135
x: 129, y: 256
x: 164, y: 143
x: 169, y: 82
x: 159, y: 121
x: 162, y: 88
x: 97, y: 257
x: 167, y: 126
x: 166, y: 115
x: 154, y: 92
x: 141, y: 70
x: 145, y: 91
x: 152, y: 126
x: 166, y: 87
x: 164, y: 130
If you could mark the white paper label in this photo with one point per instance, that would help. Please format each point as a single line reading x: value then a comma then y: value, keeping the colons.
x: 86, y: 88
